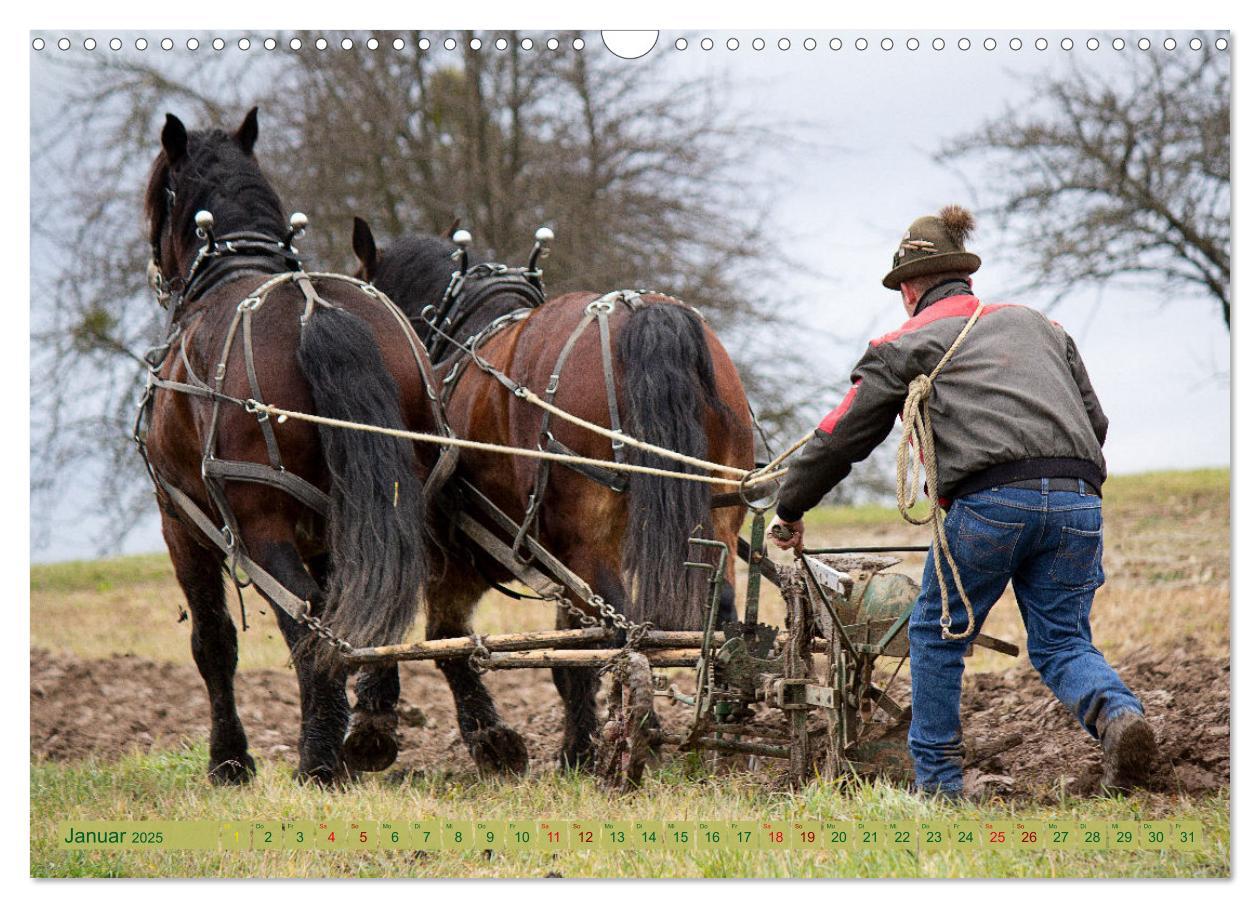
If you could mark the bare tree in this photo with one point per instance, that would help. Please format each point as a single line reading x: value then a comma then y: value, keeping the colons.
x: 1113, y: 176
x: 638, y: 171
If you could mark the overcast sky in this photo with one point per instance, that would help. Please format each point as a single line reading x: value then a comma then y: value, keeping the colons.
x: 1160, y: 365
x: 874, y: 118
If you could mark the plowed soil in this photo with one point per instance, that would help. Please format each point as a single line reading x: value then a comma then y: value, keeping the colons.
x: 101, y: 709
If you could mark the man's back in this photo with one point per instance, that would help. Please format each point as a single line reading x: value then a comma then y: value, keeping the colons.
x: 1014, y: 391
x: 1013, y: 403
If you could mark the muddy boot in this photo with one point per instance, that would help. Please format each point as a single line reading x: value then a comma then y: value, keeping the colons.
x: 1129, y: 752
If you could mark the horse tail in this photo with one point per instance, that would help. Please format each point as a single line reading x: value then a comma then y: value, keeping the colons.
x: 375, y: 523
x: 667, y: 381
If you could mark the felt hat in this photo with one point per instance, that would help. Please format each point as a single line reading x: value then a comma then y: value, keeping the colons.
x: 934, y: 244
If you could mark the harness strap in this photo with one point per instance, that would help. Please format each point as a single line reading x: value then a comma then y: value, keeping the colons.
x: 255, y: 391
x: 616, y: 480
x: 547, y: 561
x: 502, y: 553
x: 216, y: 472
x: 542, y: 471
x: 288, y: 602
x: 610, y: 385
x: 277, y: 477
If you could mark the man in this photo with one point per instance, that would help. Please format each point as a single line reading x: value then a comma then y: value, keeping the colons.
x: 1018, y: 436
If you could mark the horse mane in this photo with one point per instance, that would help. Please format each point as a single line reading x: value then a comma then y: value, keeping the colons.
x: 416, y: 271
x: 219, y: 176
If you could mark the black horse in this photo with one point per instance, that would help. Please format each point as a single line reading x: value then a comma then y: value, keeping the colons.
x: 624, y: 534
x: 335, y: 518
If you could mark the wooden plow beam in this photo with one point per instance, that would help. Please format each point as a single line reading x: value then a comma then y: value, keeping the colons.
x: 543, y: 649
x: 546, y: 648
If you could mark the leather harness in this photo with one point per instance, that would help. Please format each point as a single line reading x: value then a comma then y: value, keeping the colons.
x: 216, y: 472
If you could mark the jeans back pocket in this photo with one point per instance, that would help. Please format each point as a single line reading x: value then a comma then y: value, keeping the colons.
x: 986, y: 544
x: 1078, y: 561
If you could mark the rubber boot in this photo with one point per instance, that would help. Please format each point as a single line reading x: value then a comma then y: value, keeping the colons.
x: 1129, y: 752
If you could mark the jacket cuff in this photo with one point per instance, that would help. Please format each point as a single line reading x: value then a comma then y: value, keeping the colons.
x: 787, y: 515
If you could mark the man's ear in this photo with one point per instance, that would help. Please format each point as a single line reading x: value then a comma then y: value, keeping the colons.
x: 909, y: 298
x: 174, y: 139
x: 365, y: 249
x: 247, y: 134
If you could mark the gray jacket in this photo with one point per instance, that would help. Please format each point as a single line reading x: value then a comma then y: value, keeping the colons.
x: 1014, y: 403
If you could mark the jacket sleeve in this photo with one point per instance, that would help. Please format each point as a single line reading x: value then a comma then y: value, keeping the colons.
x: 1093, y: 409
x: 847, y: 434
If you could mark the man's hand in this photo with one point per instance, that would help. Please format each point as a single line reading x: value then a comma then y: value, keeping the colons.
x: 788, y: 534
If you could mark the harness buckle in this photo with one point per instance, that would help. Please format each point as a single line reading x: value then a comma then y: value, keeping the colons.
x: 249, y: 304
x: 603, y: 304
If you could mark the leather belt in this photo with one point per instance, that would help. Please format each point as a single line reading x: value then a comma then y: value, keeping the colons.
x: 1057, y: 484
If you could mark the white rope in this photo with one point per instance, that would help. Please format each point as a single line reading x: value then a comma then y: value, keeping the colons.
x: 916, y: 420
x: 528, y: 395
x: 281, y: 415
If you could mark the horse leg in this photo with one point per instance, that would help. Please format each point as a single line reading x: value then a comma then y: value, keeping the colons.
x: 372, y: 744
x: 325, y: 707
x: 200, y: 575
x: 578, y: 687
x: 494, y: 746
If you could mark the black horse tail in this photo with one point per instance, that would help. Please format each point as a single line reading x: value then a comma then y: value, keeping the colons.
x: 667, y: 382
x: 375, y: 525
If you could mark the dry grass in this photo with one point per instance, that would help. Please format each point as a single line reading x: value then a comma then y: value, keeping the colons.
x: 1167, y: 564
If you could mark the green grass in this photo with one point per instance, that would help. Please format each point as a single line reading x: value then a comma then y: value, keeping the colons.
x: 1168, y: 569
x: 172, y: 786
x: 1134, y: 490
x: 99, y: 576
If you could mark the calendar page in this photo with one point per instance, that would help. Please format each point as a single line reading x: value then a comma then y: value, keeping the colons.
x: 761, y: 452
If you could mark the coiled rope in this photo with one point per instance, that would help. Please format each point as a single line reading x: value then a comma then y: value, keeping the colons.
x: 916, y: 432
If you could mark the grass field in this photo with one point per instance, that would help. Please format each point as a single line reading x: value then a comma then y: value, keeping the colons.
x: 1168, y: 562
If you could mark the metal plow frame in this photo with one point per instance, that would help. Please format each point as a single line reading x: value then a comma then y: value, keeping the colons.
x: 844, y: 617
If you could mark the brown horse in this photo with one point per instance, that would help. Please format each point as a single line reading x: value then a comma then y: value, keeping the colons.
x: 676, y: 387
x: 335, y: 519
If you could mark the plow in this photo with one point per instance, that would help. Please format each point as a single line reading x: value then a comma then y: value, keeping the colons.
x: 815, y: 694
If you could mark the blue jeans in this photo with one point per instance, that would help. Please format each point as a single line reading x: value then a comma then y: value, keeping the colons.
x: 1049, y: 545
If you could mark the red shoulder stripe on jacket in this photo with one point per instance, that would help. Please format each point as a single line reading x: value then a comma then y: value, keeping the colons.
x: 828, y: 424
x: 953, y: 307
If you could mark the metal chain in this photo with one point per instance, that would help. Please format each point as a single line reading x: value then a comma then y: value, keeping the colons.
x: 479, y: 658
x: 634, y: 632
x: 324, y: 633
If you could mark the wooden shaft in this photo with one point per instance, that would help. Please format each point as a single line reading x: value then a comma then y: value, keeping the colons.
x: 589, y: 658
x: 453, y: 647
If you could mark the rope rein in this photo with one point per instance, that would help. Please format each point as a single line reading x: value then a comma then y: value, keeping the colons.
x: 916, y: 432
x: 281, y: 414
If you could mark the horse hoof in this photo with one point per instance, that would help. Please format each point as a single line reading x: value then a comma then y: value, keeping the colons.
x: 372, y: 744
x: 498, y: 749
x: 234, y: 771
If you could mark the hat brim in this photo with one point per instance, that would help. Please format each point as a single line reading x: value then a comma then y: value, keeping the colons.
x: 932, y: 264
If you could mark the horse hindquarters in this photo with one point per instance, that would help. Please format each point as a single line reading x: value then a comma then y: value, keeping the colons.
x: 376, y: 521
